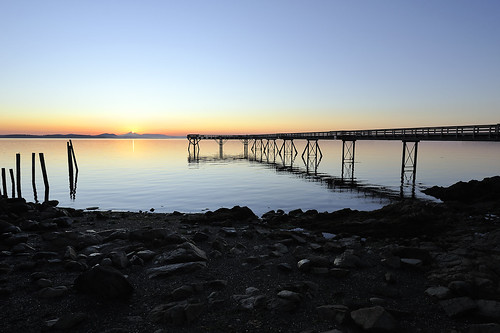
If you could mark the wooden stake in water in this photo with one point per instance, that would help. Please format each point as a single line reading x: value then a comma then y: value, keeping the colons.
x: 45, y: 179
x: 73, y: 154
x: 13, y: 182
x: 18, y: 175
x: 70, y: 168
x: 4, y: 183
x: 33, y: 158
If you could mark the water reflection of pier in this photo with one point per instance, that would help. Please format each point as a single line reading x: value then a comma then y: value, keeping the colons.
x: 304, y: 167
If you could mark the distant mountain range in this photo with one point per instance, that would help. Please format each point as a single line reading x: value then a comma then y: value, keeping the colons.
x: 129, y: 135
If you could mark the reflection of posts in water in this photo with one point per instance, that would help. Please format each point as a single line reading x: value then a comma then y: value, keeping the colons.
x: 33, y: 184
x: 348, y: 151
x: 45, y: 178
x: 409, y: 165
x: 4, y: 183
x: 194, y: 149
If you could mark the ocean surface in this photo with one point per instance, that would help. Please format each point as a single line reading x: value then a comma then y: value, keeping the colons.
x: 133, y: 175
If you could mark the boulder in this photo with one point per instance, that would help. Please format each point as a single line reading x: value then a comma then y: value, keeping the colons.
x: 375, y: 319
x: 105, y: 282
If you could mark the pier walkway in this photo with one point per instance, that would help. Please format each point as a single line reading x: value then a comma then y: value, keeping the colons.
x: 283, y: 144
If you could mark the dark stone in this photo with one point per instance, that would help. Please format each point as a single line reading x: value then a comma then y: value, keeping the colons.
x: 105, y: 282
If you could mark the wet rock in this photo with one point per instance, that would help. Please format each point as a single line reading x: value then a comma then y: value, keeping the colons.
x: 462, y: 288
x: 69, y: 321
x: 409, y: 262
x: 119, y: 259
x: 180, y: 268
x: 337, y: 313
x: 70, y: 253
x: 304, y: 265
x: 52, y: 292
x: 439, y: 292
x: 44, y: 283
x: 176, y: 313
x: 284, y: 267
x: 484, y: 328
x: 186, y: 252
x: 339, y: 272
x: 347, y: 260
x: 375, y: 319
x: 146, y: 255
x: 182, y: 292
x: 159, y: 236
x: 105, y: 282
x: 458, y: 306
x: 488, y: 309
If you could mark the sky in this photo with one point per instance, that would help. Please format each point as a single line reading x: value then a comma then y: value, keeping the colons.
x: 256, y: 66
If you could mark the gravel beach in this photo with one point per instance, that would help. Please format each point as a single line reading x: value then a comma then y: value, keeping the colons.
x: 412, y: 266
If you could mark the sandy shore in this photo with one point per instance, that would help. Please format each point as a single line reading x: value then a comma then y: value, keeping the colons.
x: 409, y: 267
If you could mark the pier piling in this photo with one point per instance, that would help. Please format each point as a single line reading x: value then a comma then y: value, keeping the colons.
x: 4, y: 183
x: 18, y: 175
x: 45, y: 178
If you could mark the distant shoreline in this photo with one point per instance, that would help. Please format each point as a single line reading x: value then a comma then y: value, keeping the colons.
x: 87, y: 136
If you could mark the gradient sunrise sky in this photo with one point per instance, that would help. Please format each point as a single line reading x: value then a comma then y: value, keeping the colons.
x: 177, y: 67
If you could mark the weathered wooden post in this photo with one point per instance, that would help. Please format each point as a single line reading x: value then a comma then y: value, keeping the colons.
x: 4, y: 183
x: 45, y: 179
x: 70, y: 168
x: 33, y: 158
x: 13, y: 182
x: 18, y: 174
x: 73, y: 154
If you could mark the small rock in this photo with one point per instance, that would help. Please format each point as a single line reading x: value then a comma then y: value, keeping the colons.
x: 52, y: 292
x: 438, y: 292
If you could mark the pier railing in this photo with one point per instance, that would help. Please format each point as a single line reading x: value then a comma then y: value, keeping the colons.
x: 444, y: 133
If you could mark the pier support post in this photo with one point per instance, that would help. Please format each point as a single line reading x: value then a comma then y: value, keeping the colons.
x: 245, y: 148
x: 409, y: 164
x: 4, y: 183
x: 313, y: 155
x: 270, y: 149
x: 221, y: 143
x: 348, y: 150
x: 194, y: 144
x: 288, y: 152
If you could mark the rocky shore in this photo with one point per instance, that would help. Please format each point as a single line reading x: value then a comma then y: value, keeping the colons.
x: 412, y: 266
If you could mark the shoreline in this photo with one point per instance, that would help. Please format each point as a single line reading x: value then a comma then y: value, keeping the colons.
x: 411, y: 266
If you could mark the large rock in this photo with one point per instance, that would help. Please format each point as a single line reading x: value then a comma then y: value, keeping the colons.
x: 458, y: 306
x: 488, y: 309
x: 105, y: 282
x: 374, y: 319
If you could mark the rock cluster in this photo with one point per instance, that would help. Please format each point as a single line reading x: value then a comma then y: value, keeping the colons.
x: 230, y: 271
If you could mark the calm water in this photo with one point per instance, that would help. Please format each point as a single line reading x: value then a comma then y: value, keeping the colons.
x: 142, y: 174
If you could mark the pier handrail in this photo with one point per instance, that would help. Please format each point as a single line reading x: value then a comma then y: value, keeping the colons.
x: 489, y: 132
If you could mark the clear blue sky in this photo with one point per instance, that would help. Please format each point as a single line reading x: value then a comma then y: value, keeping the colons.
x: 247, y: 66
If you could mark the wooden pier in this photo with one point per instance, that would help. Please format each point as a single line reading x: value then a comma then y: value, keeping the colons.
x: 409, y: 136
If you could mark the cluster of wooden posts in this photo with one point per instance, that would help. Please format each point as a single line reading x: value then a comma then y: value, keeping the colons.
x: 16, y: 181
